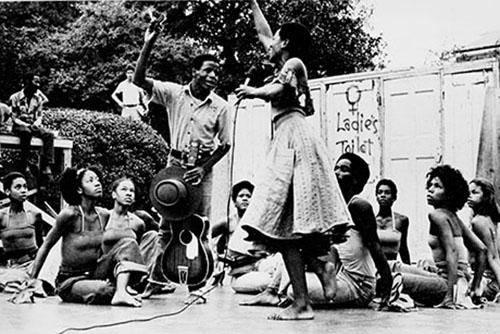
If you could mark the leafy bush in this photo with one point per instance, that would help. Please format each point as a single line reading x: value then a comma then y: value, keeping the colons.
x: 118, y: 146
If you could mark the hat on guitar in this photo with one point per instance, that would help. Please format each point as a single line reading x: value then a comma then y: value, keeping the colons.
x: 171, y: 196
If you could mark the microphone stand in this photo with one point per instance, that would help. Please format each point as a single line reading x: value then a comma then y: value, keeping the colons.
x: 231, y: 170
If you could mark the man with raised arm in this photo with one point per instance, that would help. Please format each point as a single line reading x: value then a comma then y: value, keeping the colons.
x: 199, y: 119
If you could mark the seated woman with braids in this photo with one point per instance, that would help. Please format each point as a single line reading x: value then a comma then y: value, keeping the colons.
x: 84, y: 277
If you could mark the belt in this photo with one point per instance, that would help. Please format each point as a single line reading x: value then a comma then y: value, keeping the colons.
x: 130, y: 105
x: 183, y: 156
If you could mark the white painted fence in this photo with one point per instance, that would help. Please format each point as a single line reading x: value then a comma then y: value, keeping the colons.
x: 402, y: 122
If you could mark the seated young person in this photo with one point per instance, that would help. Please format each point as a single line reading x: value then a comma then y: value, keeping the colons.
x: 27, y: 107
x: 83, y: 276
x: 484, y: 225
x: 249, y: 274
x: 392, y: 227
x: 20, y: 232
x: 122, y: 224
x: 357, y: 260
x: 449, y: 240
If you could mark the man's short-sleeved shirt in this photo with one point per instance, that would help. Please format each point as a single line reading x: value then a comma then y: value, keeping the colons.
x: 27, y: 111
x: 131, y: 94
x: 192, y: 120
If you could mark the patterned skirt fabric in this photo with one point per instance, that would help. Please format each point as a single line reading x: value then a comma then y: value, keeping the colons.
x: 296, y: 192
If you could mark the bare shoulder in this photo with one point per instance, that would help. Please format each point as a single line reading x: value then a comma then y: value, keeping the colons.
x: 295, y: 64
x: 68, y: 213
x: 359, y: 203
x: 34, y: 215
x: 480, y: 221
x: 136, y: 221
x: 103, y: 212
x: 401, y: 219
x: 439, y: 215
x: 67, y: 217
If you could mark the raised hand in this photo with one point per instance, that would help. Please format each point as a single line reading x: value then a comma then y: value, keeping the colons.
x: 155, y: 26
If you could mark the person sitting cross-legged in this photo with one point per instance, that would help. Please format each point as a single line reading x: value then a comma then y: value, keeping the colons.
x: 84, y: 276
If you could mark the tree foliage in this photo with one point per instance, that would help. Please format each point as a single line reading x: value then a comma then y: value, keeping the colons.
x: 82, y: 48
x: 88, y: 60
x: 23, y: 25
x: 117, y: 146
x: 340, y: 43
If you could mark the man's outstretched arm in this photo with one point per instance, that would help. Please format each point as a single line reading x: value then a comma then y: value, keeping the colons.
x: 150, y: 37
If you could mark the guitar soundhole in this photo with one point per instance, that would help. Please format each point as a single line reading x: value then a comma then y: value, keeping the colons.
x: 185, y: 237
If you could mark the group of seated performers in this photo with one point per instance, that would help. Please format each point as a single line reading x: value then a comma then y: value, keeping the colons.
x: 462, y: 273
x: 107, y: 255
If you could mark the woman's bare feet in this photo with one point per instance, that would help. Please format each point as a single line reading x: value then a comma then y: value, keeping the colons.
x: 294, y: 312
x: 124, y: 299
x: 265, y: 298
x: 328, y: 280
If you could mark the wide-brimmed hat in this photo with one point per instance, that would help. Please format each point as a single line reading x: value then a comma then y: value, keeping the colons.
x: 171, y: 196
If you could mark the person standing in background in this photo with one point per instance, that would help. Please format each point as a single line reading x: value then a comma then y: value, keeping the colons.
x: 133, y: 100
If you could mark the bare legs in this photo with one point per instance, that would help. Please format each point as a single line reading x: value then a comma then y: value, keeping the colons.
x: 301, y: 308
x: 326, y: 273
x: 268, y: 297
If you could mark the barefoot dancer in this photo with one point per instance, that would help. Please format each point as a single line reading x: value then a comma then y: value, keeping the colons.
x: 82, y: 278
x: 296, y: 198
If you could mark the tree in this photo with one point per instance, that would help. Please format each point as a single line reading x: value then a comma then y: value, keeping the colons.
x: 87, y: 60
x: 22, y: 26
x: 84, y: 59
x: 340, y: 43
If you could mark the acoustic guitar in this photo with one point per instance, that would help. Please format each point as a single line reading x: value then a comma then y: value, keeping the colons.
x: 187, y: 258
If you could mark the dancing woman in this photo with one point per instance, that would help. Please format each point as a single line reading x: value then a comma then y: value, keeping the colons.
x: 296, y: 198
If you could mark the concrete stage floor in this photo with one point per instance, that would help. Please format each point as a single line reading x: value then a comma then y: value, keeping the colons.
x: 222, y: 314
